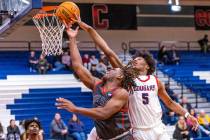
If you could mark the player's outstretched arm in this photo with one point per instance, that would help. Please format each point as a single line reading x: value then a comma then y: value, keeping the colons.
x: 173, y: 105
x: 101, y: 43
x: 114, y: 105
x: 84, y: 75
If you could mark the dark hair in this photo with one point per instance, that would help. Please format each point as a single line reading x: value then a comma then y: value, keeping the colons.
x: 205, y: 35
x: 28, y: 122
x: 71, y: 120
x: 162, y: 47
x: 11, y: 120
x: 1, y: 128
x: 149, y: 60
x: 22, y: 122
x: 129, y: 75
x: 100, y: 60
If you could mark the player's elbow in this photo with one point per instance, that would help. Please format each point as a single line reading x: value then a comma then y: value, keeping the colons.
x: 100, y: 117
x: 106, y: 116
x: 77, y: 68
x: 76, y: 65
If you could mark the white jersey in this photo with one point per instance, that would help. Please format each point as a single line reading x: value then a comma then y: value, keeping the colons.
x: 144, y: 106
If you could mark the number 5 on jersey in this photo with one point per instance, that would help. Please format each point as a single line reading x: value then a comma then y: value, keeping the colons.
x: 145, y: 98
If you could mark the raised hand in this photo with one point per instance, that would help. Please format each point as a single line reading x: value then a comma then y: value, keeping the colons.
x: 194, y: 122
x: 71, y: 33
x: 65, y: 104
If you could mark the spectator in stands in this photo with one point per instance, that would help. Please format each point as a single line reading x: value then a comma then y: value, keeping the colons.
x: 193, y: 133
x: 43, y: 65
x: 33, y: 61
x: 204, y: 119
x: 22, y: 127
x: 101, y: 67
x: 2, y: 135
x: 174, y: 96
x: 58, y: 128
x: 86, y: 61
x: 132, y: 51
x: 204, y: 43
x: 169, y: 117
x: 94, y: 72
x: 164, y: 113
x: 33, y: 130
x: 41, y: 130
x: 181, y: 130
x: 173, y: 55
x: 205, y: 132
x: 172, y: 118
x: 163, y: 56
x: 104, y: 59
x: 13, y: 132
x: 76, y: 128
x: 51, y: 59
x: 58, y: 64
x: 193, y: 113
x: 184, y: 103
x: 93, y: 60
x: 66, y: 60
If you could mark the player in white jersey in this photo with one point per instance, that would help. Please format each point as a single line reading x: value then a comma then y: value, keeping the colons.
x: 144, y: 106
x: 145, y: 95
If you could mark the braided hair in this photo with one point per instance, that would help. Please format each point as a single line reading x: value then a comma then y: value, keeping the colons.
x: 129, y: 74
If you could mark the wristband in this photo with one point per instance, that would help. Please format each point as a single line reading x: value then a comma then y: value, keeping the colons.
x: 186, y: 114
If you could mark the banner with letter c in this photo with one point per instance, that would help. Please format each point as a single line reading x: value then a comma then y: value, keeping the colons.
x: 202, y: 17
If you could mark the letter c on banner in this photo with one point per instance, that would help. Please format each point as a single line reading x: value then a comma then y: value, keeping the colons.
x: 98, y: 9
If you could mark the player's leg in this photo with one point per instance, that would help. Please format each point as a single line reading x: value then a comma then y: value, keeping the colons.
x: 143, y: 134
x: 164, y: 136
x: 160, y: 132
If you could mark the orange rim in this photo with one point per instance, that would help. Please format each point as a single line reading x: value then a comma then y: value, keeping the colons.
x: 46, y: 10
x: 49, y: 8
x: 38, y: 16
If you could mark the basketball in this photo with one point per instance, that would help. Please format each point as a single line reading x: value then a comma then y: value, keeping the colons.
x: 67, y: 11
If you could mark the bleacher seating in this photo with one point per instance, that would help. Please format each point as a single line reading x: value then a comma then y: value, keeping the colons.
x: 25, y: 95
x: 40, y: 103
x: 30, y: 95
x: 183, y: 73
x: 16, y: 62
x: 36, y: 98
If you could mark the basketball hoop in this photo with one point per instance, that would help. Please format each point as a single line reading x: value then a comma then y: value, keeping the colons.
x: 51, y: 33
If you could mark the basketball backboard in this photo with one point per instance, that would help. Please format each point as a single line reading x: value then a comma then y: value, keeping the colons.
x: 14, y: 13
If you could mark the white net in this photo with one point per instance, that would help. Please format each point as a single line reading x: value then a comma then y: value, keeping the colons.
x: 51, y: 33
